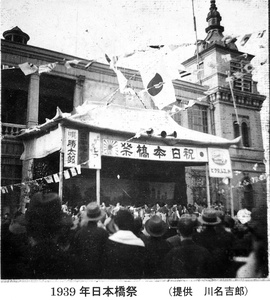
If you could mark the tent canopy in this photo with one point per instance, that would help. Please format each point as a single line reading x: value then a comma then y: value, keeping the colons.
x: 131, y: 122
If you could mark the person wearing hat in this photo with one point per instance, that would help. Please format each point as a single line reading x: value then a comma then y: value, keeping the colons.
x: 124, y: 256
x: 89, y: 242
x: 14, y: 246
x: 188, y: 260
x: 209, y: 238
x: 43, y: 224
x: 156, y: 246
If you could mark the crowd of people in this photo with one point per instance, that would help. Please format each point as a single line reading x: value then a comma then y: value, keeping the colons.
x: 51, y: 241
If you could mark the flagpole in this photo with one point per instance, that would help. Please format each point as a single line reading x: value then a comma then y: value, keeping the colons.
x: 195, y: 29
x: 234, y: 104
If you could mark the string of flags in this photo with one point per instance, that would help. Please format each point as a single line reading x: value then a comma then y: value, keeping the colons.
x: 54, y: 178
x: 157, y: 77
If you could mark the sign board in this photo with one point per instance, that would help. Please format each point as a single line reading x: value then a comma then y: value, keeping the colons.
x: 153, y: 152
x: 71, y: 147
x: 219, y: 163
x: 94, y: 151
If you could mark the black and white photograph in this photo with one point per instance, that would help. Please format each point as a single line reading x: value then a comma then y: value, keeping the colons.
x: 134, y: 149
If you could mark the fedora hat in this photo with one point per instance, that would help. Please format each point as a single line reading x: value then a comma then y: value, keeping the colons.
x: 93, y: 212
x: 209, y: 217
x: 186, y: 224
x: 155, y: 226
x: 44, y: 209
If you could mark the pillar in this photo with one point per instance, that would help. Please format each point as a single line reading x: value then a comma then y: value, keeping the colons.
x: 33, y: 101
x: 78, y: 92
x: 31, y: 120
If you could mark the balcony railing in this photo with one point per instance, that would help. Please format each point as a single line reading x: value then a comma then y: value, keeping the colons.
x: 9, y: 129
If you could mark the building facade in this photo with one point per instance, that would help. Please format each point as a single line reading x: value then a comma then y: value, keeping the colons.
x: 30, y: 100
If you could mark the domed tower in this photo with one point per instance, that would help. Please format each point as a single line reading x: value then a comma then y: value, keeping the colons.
x: 16, y: 35
x: 215, y: 31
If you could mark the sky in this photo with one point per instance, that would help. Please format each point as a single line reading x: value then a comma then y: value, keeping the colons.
x: 90, y: 28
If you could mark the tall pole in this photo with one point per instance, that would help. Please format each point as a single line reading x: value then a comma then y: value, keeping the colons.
x: 197, y: 48
x: 207, y: 185
x: 98, y: 186
x: 61, y: 165
x: 234, y: 103
x: 231, y: 194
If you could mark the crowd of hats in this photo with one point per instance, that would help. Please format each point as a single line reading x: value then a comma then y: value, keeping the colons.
x: 45, y: 213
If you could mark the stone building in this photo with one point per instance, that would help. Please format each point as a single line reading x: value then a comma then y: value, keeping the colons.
x: 28, y: 101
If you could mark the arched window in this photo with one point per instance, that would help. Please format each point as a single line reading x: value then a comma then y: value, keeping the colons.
x: 236, y: 129
x: 245, y: 134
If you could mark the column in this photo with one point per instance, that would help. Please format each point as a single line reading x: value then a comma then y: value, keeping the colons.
x: 31, y: 120
x: 78, y: 92
x: 33, y: 101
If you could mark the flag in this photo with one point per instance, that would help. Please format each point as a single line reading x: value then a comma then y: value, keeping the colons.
x: 238, y: 75
x: 245, y: 39
x: 47, y: 68
x: 226, y: 57
x: 248, y: 68
x: 89, y: 64
x: 122, y: 81
x: 49, y: 179
x: 73, y: 172
x: 156, y: 79
x: 66, y: 174
x: 244, y: 55
x: 184, y: 73
x: 190, y: 103
x: 229, y: 79
x: 28, y: 68
x: 228, y: 39
x: 56, y: 178
x: 78, y: 169
x: 69, y: 63
x: 255, y: 167
x: 260, y: 34
x: 175, y: 109
x: 202, y: 98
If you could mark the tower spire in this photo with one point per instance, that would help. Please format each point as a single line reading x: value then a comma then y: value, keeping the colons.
x: 214, y: 18
x: 215, y: 31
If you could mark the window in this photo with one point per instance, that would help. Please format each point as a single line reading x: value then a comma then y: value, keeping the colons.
x: 244, y: 82
x: 242, y: 129
x: 245, y: 134
x: 197, y: 118
x: 236, y: 129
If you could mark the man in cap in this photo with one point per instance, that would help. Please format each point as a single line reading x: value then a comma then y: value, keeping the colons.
x: 189, y: 260
x: 89, y: 242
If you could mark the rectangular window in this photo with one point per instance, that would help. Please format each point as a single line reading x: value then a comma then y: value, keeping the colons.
x: 244, y: 82
x: 197, y: 118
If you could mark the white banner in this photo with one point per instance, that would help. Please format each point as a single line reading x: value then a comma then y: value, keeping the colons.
x: 153, y: 152
x: 71, y: 147
x: 94, y: 151
x: 219, y: 163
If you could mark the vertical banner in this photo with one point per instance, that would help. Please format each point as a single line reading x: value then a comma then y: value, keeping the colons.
x: 94, y: 151
x: 83, y: 155
x: 219, y: 163
x: 71, y: 147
